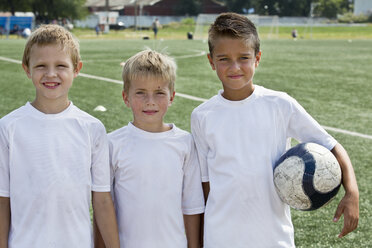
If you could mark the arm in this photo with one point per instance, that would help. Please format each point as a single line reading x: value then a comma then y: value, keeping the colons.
x: 206, y: 190
x: 192, y: 227
x: 104, y: 214
x: 4, y: 221
x: 349, y: 205
x: 98, y: 240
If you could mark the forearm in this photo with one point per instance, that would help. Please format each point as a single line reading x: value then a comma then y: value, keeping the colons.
x: 98, y: 241
x: 348, y: 176
x: 4, y: 221
x: 192, y: 227
x: 105, y: 218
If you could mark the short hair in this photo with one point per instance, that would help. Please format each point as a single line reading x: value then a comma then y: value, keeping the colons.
x: 52, y: 34
x: 236, y: 26
x: 149, y: 63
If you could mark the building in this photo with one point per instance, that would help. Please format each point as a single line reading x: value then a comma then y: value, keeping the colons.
x: 363, y: 7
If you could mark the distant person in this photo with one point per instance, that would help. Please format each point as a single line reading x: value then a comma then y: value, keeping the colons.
x: 54, y: 158
x: 155, y: 27
x: 294, y: 34
x: 240, y: 134
x: 98, y: 29
x: 156, y: 175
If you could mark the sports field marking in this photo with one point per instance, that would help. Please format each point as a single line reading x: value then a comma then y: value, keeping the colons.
x: 194, y: 98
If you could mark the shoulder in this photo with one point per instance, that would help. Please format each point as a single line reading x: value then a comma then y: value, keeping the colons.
x: 84, y: 118
x: 273, y: 97
x: 13, y: 117
x: 206, y: 107
x: 118, y: 135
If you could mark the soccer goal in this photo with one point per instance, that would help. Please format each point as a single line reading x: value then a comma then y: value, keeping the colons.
x: 204, y: 21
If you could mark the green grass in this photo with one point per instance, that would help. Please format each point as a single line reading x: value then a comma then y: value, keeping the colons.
x: 179, y: 31
x: 330, y: 78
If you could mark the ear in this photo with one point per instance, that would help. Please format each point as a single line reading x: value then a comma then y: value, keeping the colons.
x: 211, y: 61
x: 125, y: 98
x: 172, y: 98
x: 78, y: 68
x: 27, y: 70
x: 258, y: 58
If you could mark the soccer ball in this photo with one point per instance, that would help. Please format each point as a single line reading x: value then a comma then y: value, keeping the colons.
x: 307, y: 176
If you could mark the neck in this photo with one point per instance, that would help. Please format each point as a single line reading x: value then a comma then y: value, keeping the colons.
x: 162, y: 127
x: 51, y: 107
x: 238, y: 95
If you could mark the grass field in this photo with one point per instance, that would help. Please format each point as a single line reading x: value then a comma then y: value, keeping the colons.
x: 332, y: 79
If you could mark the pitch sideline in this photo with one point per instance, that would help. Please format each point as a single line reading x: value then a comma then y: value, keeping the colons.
x: 194, y: 98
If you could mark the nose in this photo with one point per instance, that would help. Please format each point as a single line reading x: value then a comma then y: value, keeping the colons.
x: 150, y: 99
x: 50, y: 72
x: 235, y: 65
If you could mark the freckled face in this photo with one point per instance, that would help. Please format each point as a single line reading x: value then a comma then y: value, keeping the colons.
x: 149, y: 99
x: 235, y: 62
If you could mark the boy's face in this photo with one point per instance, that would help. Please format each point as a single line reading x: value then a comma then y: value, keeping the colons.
x: 235, y: 62
x: 149, y: 99
x: 52, y: 72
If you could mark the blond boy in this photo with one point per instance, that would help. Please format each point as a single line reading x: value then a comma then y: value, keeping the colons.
x: 156, y: 176
x: 53, y: 156
x: 240, y: 133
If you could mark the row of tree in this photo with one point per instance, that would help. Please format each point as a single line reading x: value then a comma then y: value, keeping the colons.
x: 324, y: 8
x: 47, y: 10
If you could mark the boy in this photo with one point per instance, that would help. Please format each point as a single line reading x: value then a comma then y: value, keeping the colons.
x: 157, y: 187
x: 240, y: 134
x: 53, y: 156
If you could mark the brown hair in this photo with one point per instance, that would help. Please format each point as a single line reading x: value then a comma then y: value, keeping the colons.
x: 149, y: 63
x: 233, y: 25
x: 51, y: 34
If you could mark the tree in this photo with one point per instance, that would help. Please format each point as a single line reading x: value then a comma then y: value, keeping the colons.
x: 330, y: 8
x: 238, y: 5
x: 188, y: 7
x: 15, y: 5
x: 46, y: 10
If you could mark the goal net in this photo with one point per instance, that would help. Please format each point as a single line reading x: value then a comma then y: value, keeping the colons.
x: 204, y: 21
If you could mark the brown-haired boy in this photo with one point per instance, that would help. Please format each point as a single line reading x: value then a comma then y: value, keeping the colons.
x: 53, y: 156
x: 240, y: 133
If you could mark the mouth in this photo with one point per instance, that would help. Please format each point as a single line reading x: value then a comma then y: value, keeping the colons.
x: 149, y: 112
x: 235, y: 76
x: 51, y: 85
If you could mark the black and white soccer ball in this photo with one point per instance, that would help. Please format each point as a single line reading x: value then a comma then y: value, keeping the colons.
x: 307, y: 176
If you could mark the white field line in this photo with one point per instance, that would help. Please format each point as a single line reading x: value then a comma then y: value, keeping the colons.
x: 194, y: 98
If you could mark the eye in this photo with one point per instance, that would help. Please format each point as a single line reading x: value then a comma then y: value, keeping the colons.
x: 62, y: 66
x: 160, y: 93
x: 245, y: 58
x: 222, y: 59
x: 140, y: 93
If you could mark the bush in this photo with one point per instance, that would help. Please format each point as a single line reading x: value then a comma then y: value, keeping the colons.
x: 351, y: 18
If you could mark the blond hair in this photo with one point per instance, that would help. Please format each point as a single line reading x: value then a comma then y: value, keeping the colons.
x: 149, y: 63
x: 52, y: 34
x: 235, y: 26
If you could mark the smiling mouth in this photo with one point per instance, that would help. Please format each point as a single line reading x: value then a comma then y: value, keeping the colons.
x: 150, y: 112
x: 51, y: 85
x: 235, y: 76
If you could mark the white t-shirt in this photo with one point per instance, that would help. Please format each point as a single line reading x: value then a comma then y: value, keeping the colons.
x: 49, y: 164
x: 156, y: 181
x: 238, y: 143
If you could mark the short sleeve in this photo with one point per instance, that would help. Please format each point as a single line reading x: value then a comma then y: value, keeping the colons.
x: 305, y: 128
x: 192, y: 193
x: 201, y: 146
x: 4, y: 163
x: 100, y: 160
